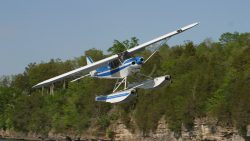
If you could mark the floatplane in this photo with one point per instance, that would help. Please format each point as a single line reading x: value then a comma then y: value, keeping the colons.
x: 120, y: 66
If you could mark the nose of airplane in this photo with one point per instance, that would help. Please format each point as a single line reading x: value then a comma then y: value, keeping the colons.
x: 139, y: 60
x: 142, y: 59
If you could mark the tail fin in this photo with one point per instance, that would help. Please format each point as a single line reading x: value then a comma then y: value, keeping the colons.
x: 89, y: 60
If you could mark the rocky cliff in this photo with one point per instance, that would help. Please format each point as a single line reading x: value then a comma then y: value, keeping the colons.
x: 205, y: 129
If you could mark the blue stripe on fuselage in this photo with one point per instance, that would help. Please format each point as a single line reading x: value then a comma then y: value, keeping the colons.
x: 112, y: 71
x: 137, y: 60
x: 129, y: 60
x: 102, y: 69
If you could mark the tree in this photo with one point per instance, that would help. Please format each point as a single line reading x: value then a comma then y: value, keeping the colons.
x: 211, y: 78
x: 124, y: 45
x: 5, y: 81
x: 229, y: 37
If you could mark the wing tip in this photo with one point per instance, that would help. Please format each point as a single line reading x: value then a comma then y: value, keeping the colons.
x: 196, y: 23
x: 36, y: 86
x: 189, y: 26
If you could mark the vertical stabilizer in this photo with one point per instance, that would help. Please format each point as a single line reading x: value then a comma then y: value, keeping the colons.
x: 89, y: 60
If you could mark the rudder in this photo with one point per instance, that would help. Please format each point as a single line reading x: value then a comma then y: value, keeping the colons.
x: 89, y: 60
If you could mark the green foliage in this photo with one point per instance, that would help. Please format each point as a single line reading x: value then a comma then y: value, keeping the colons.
x: 209, y: 79
x: 7, y: 99
x: 229, y: 37
x: 103, y: 121
x: 111, y: 134
x: 5, y: 81
x: 96, y: 54
x: 119, y: 47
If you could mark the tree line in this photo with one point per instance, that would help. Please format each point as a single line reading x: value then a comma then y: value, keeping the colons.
x: 209, y: 79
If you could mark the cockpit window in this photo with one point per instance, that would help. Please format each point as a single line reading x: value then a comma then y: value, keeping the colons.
x: 114, y: 64
x: 121, y: 57
x: 124, y: 55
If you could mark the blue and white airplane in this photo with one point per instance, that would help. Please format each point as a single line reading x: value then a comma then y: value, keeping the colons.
x: 119, y: 66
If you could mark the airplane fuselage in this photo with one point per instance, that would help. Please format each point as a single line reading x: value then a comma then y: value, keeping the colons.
x: 118, y: 66
x: 126, y: 68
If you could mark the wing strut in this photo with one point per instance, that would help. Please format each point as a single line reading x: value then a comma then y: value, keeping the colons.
x: 157, y: 48
x: 80, y: 78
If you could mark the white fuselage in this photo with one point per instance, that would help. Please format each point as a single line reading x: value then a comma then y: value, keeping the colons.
x: 127, y: 68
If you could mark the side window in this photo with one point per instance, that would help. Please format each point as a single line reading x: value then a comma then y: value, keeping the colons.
x: 124, y: 55
x: 114, y: 64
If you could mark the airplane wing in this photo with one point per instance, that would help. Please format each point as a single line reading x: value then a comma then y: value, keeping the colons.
x: 168, y: 35
x: 98, y: 64
x: 84, y: 69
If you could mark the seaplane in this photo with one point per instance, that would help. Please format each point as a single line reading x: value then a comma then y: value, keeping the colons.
x: 120, y: 66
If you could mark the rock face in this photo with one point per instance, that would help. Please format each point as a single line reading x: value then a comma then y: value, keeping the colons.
x: 121, y: 132
x: 248, y: 131
x: 208, y: 130
x: 19, y: 135
x: 204, y: 130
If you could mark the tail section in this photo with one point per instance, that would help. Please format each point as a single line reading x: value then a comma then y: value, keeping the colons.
x: 89, y: 60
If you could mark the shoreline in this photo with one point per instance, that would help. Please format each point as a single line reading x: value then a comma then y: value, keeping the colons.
x: 18, y: 136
